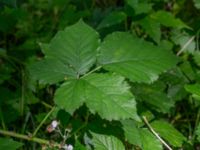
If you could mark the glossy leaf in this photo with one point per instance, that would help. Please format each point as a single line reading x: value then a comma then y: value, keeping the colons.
x: 134, y: 58
x: 106, y: 94
x: 105, y: 142
x: 168, y: 132
x: 70, y: 53
x: 9, y: 144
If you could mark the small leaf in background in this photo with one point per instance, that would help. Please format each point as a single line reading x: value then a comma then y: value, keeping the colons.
x: 196, y: 57
x: 193, y: 88
x: 70, y: 53
x: 186, y: 41
x: 167, y: 19
x: 106, y: 142
x: 79, y: 146
x: 168, y: 132
x: 188, y: 70
x: 9, y: 144
x: 134, y: 58
x: 154, y: 96
x: 139, y: 7
x: 140, y: 136
x: 106, y: 94
x: 149, y: 141
x: 152, y: 28
x: 112, y: 19
x: 197, y: 132
x: 197, y: 3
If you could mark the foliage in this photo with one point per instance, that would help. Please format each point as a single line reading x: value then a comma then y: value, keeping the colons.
x: 87, y: 74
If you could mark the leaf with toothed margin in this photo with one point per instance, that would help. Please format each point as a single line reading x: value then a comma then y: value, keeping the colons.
x: 71, y: 53
x: 106, y: 94
x: 105, y: 142
x: 134, y: 58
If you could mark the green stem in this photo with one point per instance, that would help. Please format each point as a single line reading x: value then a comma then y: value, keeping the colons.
x: 2, y: 119
x: 43, y: 121
x: 22, y: 93
x: 46, y: 105
x: 95, y: 69
x: 83, y: 125
x: 28, y: 138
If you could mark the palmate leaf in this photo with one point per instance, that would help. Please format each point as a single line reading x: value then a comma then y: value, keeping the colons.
x: 134, y: 58
x: 70, y: 53
x: 105, y: 142
x: 106, y: 94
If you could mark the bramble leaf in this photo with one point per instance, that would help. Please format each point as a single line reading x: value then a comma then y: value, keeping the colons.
x: 168, y: 132
x: 140, y: 136
x: 74, y: 49
x: 134, y: 58
x: 106, y: 94
x: 104, y: 142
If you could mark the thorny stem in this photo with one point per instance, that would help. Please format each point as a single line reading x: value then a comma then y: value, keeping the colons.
x: 43, y: 121
x: 156, y: 134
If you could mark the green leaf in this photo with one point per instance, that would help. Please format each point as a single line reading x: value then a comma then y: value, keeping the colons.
x: 106, y: 94
x: 104, y: 142
x: 197, y: 132
x: 79, y: 146
x: 168, y: 132
x: 154, y: 95
x: 194, y: 89
x: 197, y: 3
x: 140, y: 136
x: 196, y: 57
x: 187, y: 42
x: 167, y: 19
x: 134, y: 58
x: 152, y: 28
x: 139, y: 7
x: 112, y: 19
x: 52, y: 71
x: 9, y: 144
x: 70, y: 53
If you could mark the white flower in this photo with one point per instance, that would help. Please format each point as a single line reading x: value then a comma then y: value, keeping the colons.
x: 54, y: 124
x: 67, y: 147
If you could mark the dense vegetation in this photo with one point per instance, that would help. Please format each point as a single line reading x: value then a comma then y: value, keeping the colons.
x: 99, y: 74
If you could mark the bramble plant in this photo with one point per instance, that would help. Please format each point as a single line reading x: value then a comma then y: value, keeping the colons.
x: 99, y: 75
